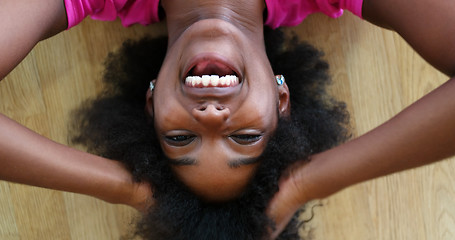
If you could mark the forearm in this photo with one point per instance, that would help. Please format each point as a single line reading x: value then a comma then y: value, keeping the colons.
x: 28, y: 158
x: 423, y: 133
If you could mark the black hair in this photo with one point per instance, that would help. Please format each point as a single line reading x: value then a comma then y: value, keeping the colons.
x: 115, y: 126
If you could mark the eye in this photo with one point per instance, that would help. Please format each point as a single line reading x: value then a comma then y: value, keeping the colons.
x: 246, y: 139
x: 179, y: 140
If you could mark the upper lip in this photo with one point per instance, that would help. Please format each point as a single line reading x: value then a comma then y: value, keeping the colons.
x: 210, y: 57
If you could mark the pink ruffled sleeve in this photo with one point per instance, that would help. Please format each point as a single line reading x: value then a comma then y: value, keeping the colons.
x: 129, y: 11
x: 292, y: 12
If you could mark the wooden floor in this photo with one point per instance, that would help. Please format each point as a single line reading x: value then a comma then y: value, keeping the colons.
x: 374, y: 71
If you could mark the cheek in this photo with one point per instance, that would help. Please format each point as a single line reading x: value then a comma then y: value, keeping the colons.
x: 261, y: 112
x: 168, y: 113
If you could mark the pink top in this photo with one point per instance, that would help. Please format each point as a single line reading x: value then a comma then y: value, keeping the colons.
x: 129, y: 11
x: 279, y: 12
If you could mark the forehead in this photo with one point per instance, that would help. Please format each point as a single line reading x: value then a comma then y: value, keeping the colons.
x: 215, y: 182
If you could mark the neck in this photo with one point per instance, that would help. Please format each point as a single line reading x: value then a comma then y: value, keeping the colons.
x: 246, y: 15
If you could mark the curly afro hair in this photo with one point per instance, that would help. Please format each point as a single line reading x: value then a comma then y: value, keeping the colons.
x: 115, y: 126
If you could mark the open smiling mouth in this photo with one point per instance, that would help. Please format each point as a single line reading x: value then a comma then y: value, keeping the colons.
x: 211, y: 73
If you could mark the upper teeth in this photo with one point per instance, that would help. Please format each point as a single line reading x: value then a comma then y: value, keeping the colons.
x: 212, y: 80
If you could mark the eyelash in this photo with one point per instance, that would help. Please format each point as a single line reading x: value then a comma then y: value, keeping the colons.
x: 242, y: 139
x: 246, y: 139
x: 180, y: 140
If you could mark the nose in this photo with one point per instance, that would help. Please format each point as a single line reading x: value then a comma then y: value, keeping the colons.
x: 211, y: 115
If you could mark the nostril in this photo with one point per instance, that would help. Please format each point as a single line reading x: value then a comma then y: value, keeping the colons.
x: 202, y: 107
x: 211, y: 115
x: 216, y: 107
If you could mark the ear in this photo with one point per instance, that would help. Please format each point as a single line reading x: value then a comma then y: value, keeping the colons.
x: 149, y: 102
x: 284, y: 102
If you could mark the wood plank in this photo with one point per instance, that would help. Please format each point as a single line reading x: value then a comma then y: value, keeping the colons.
x: 374, y: 71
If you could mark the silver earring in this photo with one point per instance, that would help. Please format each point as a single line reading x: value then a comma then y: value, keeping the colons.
x: 152, y: 86
x: 279, y: 79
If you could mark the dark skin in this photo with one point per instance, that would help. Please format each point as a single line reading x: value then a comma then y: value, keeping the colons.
x: 220, y: 127
x: 424, y: 26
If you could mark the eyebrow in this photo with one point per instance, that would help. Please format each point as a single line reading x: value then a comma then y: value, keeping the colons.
x: 235, y: 163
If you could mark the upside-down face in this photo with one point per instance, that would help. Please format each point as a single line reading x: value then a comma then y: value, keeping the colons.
x: 215, y: 105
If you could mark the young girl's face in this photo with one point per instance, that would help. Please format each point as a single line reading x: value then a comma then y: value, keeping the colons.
x: 215, y: 130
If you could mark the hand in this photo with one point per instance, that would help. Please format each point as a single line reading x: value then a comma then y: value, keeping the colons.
x: 142, y: 197
x: 137, y: 194
x: 286, y: 201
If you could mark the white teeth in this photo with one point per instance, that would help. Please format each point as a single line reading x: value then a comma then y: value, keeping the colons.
x: 228, y: 81
x: 223, y: 80
x: 205, y: 80
x: 212, y: 80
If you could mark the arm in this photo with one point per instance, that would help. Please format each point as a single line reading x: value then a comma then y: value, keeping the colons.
x: 28, y: 158
x: 421, y: 134
x: 23, y: 24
